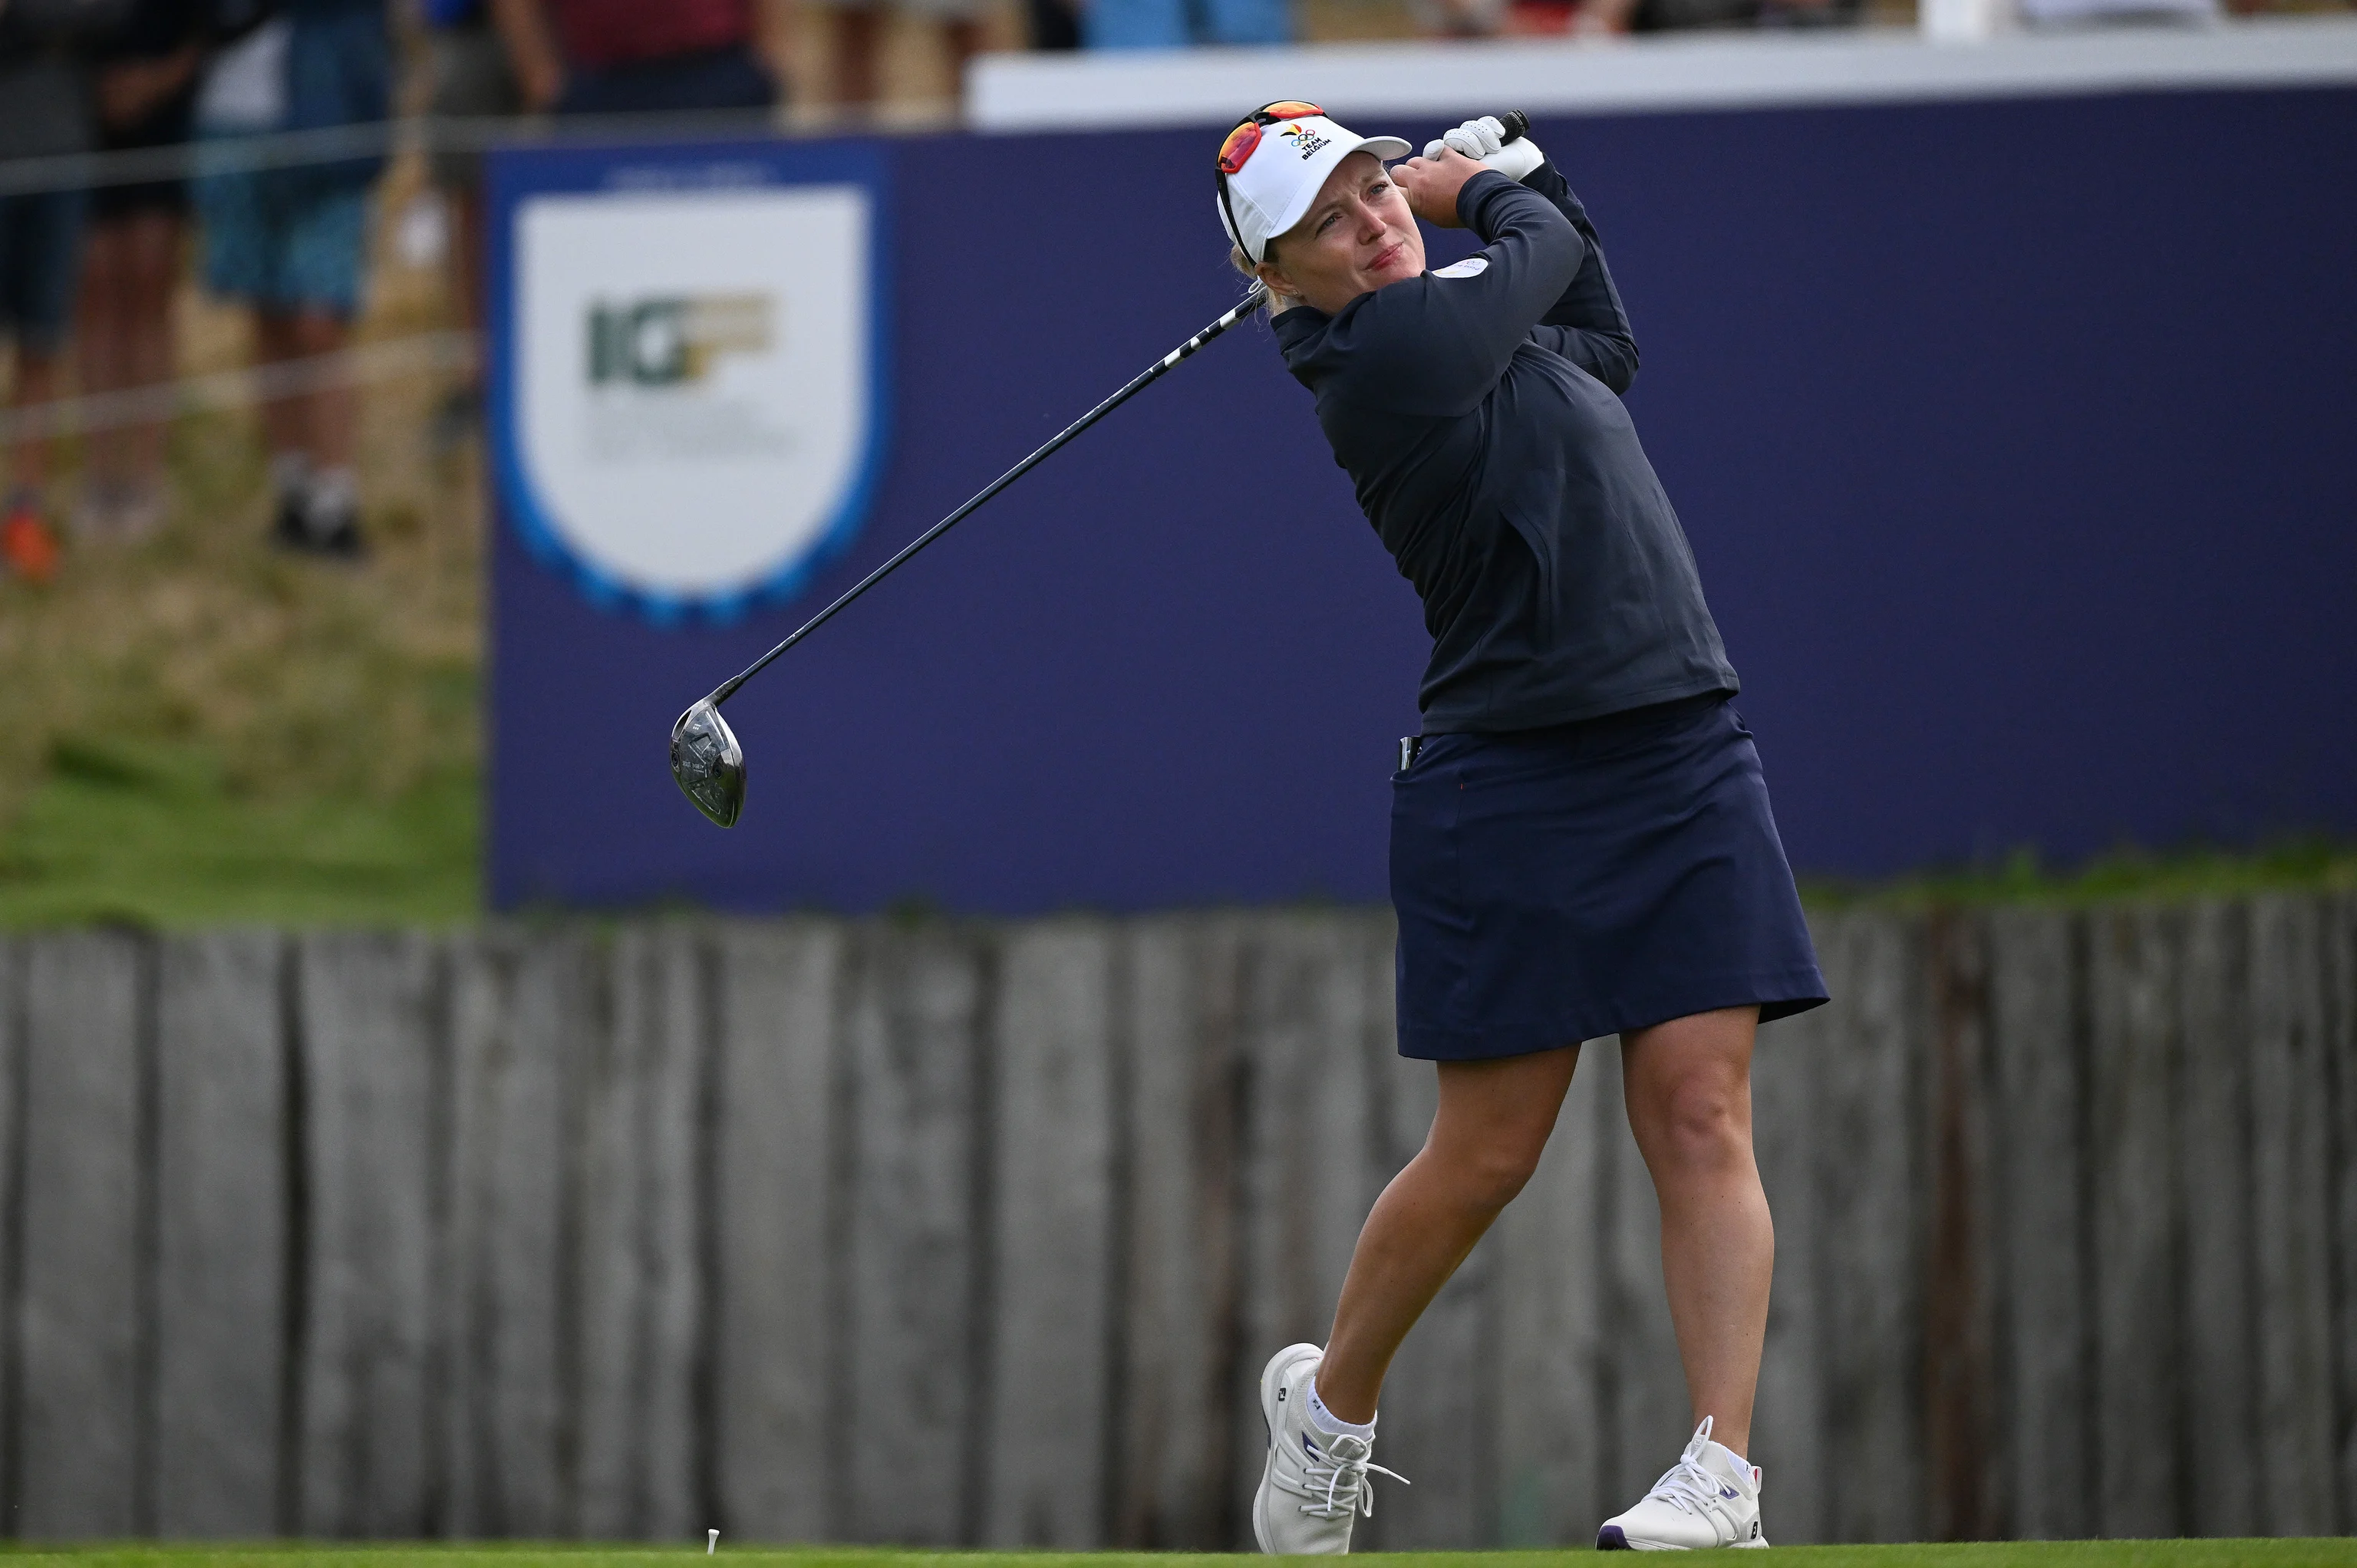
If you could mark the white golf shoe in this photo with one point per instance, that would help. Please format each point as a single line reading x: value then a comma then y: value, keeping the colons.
x: 1709, y: 1497
x: 1316, y: 1483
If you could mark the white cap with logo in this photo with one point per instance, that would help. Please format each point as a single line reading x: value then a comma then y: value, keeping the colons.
x: 1274, y: 163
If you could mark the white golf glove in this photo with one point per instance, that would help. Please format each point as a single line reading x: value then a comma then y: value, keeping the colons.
x: 1484, y: 140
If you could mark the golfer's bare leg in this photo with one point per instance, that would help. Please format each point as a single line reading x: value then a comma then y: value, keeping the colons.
x: 1688, y: 1086
x: 1486, y: 1139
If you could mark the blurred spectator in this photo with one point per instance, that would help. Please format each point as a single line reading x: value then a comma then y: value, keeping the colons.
x: 1176, y: 24
x: 1461, y: 18
x: 616, y: 57
x: 1607, y: 17
x: 2081, y: 13
x: 45, y: 111
x: 147, y: 91
x: 860, y: 25
x: 1052, y: 25
x: 472, y: 81
x: 1811, y: 13
x: 291, y: 242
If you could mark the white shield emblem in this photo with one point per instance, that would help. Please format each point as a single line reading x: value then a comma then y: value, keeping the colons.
x: 690, y: 397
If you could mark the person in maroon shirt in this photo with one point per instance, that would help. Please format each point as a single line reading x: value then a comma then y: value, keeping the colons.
x: 613, y: 57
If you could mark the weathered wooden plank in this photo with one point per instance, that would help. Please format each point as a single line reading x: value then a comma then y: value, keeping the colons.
x: 80, y: 1312
x: 2340, y: 964
x: 1307, y: 1154
x: 2292, y: 1222
x: 2213, y: 1161
x: 777, y: 1228
x: 525, y: 1009
x: 1051, y: 1316
x: 1959, y: 1299
x: 373, y: 1029
x: 1651, y: 1408
x: 2045, y: 1442
x: 921, y: 1100
x: 1871, y: 1191
x: 1439, y: 1418
x: 1549, y: 1368
x: 641, y: 1296
x: 2133, y: 989
x: 1179, y: 1340
x: 1179, y: 1346
x: 1788, y: 1418
x: 223, y: 1146
x: 13, y: 957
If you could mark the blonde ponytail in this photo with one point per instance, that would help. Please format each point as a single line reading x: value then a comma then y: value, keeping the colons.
x: 1243, y: 263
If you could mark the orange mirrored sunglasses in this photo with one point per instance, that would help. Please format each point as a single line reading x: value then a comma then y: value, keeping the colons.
x: 1237, y: 150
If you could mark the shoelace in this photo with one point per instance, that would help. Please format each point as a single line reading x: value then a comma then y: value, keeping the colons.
x: 1686, y: 1484
x: 1347, y: 1490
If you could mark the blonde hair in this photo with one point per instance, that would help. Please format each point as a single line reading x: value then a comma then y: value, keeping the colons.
x: 1243, y: 263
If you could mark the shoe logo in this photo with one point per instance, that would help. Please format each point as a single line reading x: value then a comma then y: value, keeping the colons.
x: 1280, y: 1396
x: 1754, y: 1530
x: 1727, y: 1492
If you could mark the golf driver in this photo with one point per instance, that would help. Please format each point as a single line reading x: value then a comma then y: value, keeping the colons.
x: 705, y: 757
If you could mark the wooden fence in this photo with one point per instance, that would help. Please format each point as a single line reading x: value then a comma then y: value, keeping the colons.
x: 951, y: 1233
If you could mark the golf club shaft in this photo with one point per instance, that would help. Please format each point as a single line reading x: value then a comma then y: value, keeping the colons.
x: 1250, y: 302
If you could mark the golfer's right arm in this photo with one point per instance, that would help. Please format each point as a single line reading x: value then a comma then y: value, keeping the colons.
x: 1435, y: 345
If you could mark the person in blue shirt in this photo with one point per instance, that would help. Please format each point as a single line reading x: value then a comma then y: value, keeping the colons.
x: 292, y: 241
x: 1182, y: 24
x: 472, y: 82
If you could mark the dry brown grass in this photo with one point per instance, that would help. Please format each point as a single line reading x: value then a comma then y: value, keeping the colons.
x: 302, y: 679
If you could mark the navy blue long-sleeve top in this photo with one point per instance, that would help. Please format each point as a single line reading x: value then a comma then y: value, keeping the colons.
x: 1477, y: 408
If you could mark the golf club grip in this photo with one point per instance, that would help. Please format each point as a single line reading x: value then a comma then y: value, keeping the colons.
x: 1251, y: 301
x: 1517, y: 124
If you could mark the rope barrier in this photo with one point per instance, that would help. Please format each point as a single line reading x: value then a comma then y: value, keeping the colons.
x: 416, y: 354
x: 375, y: 138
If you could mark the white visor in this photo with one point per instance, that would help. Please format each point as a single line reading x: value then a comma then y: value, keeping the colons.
x: 1284, y: 175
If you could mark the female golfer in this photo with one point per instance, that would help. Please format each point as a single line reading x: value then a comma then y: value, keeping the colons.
x: 1581, y: 842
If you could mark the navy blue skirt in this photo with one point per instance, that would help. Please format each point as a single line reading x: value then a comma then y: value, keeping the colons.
x: 1558, y: 884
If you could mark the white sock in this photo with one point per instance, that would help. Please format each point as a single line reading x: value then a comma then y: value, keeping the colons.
x: 1326, y: 1421
x: 335, y: 489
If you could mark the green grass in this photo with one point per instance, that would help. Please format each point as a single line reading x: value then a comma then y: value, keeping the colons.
x: 174, y: 834
x: 2332, y: 1553
x: 198, y: 730
x: 2299, y: 864
x: 164, y: 836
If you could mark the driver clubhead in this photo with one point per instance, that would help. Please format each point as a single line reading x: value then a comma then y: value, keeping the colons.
x: 708, y: 763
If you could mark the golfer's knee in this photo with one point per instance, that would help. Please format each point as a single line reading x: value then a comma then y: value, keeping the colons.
x: 1702, y: 1123
x: 1488, y: 1174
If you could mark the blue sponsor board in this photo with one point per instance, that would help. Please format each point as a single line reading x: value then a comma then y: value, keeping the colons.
x: 2012, y: 438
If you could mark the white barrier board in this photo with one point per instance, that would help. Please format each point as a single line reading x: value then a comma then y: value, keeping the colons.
x: 1443, y: 77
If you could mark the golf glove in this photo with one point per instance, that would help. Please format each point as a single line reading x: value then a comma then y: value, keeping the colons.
x: 1484, y: 140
